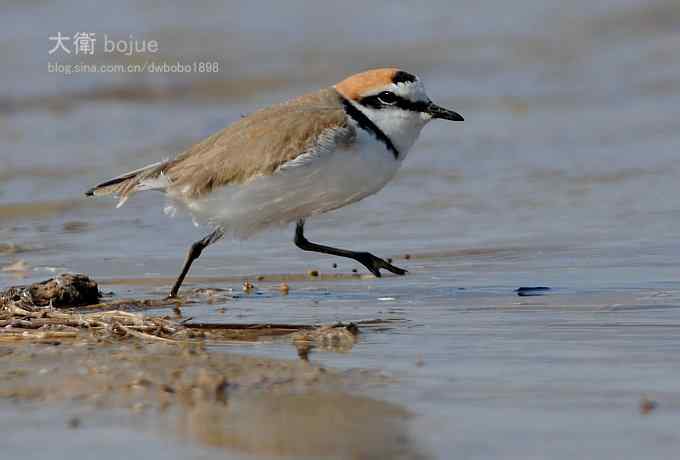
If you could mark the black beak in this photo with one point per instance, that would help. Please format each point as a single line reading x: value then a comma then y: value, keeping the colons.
x: 445, y: 114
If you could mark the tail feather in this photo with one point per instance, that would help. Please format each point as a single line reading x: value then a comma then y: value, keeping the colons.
x: 147, y: 178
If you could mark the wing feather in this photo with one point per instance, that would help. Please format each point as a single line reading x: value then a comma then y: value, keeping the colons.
x: 261, y: 143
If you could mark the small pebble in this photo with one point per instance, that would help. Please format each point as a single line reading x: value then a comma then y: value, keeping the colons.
x: 647, y: 405
x: 303, y: 349
x: 139, y: 407
x: 73, y: 423
x: 248, y: 286
x: 313, y: 273
x: 165, y: 388
x: 283, y: 287
x: 260, y: 277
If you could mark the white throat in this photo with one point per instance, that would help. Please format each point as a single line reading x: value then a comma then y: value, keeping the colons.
x: 402, y: 127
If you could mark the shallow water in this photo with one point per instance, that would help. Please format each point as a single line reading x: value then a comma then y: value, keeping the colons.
x: 565, y: 174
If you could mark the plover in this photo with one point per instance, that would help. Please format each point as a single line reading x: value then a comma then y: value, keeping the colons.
x: 287, y: 162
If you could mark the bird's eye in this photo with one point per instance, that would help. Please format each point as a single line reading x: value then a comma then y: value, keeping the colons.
x: 387, y: 97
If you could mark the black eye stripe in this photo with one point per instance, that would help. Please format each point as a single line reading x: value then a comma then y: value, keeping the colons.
x: 419, y: 106
x: 404, y: 104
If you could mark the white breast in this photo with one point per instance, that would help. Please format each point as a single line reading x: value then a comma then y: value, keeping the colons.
x: 314, y: 183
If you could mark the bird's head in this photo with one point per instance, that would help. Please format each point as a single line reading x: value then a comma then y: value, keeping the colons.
x: 395, y: 101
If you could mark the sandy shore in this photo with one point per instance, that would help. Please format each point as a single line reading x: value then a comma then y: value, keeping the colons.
x: 161, y: 372
x: 248, y: 404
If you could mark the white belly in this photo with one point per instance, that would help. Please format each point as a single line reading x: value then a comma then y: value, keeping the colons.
x: 301, y: 188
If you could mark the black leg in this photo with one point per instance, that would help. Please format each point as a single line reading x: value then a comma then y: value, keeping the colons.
x: 194, y: 253
x: 368, y: 260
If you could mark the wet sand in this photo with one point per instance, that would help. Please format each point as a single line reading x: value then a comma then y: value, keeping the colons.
x: 564, y: 175
x: 244, y: 404
x: 61, y: 345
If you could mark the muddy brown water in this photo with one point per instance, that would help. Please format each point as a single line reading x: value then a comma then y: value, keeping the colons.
x: 565, y: 174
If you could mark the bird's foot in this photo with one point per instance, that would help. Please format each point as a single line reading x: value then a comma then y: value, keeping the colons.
x: 374, y: 264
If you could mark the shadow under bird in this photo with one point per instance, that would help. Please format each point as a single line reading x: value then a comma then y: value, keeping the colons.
x: 287, y: 162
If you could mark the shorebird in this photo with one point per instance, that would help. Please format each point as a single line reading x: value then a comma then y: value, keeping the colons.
x: 287, y: 162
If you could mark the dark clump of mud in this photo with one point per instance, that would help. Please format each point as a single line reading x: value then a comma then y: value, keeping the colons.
x: 64, y: 290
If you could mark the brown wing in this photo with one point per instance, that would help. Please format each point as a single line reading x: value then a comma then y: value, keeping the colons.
x: 257, y: 144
